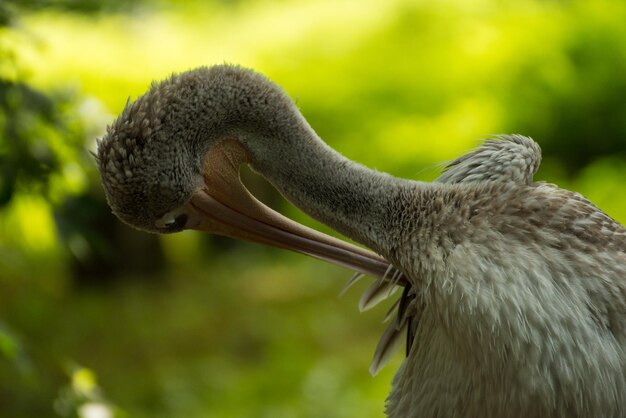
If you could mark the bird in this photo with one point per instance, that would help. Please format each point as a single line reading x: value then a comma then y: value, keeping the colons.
x: 514, y: 291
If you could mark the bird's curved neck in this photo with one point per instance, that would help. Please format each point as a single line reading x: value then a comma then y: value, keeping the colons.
x: 350, y: 198
x: 237, y: 104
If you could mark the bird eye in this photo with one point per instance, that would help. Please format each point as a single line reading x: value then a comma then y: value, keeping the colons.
x: 173, y: 221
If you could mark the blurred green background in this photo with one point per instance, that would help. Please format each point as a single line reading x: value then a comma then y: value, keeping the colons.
x: 98, y: 320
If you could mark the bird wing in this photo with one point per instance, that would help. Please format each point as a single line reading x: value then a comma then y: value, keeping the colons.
x: 503, y: 158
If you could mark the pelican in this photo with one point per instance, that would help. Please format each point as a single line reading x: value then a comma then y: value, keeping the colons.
x: 514, y: 299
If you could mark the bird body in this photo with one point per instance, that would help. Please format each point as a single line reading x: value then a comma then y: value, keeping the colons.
x: 515, y: 292
x: 524, y: 314
x: 515, y: 320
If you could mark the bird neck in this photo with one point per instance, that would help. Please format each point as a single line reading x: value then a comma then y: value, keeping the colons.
x: 229, y: 102
x: 352, y: 199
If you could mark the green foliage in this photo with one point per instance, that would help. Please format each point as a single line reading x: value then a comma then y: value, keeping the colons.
x: 189, y: 325
x: 36, y: 136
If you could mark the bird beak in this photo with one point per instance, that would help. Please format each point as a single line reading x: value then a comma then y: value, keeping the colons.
x: 224, y: 206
